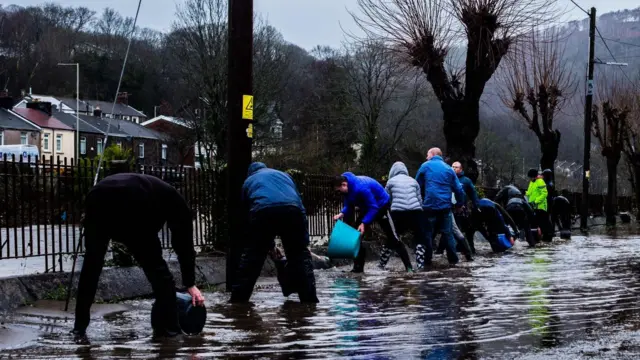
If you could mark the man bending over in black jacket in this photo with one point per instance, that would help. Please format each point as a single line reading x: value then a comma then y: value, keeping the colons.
x: 131, y: 209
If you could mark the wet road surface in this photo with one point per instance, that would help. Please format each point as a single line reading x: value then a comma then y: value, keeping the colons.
x: 572, y: 299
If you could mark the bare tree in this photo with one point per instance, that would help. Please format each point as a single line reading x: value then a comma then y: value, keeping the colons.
x: 385, y: 93
x: 611, y: 128
x: 537, y: 84
x: 199, y: 41
x: 631, y: 146
x: 427, y: 30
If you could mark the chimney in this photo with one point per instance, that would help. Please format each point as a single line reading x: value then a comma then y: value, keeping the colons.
x: 97, y: 112
x: 6, y: 102
x: 43, y: 106
x: 123, y: 98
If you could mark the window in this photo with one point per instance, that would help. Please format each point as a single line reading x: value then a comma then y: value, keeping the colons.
x: 119, y: 143
x: 58, y: 142
x: 164, y: 151
x: 24, y: 138
x: 135, y: 119
x: 99, y: 146
x: 45, y: 142
x: 141, y: 150
x: 83, y: 145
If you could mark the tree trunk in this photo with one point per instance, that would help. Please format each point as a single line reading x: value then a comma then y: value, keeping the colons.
x: 611, y: 201
x: 461, y: 127
x: 549, y: 144
x: 636, y: 186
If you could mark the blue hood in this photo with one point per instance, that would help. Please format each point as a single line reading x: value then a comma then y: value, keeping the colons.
x: 365, y: 193
x: 255, y: 167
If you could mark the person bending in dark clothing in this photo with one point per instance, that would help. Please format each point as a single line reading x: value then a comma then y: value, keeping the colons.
x: 561, y: 215
x: 131, y: 209
x: 273, y: 208
x: 492, y: 220
x: 522, y: 214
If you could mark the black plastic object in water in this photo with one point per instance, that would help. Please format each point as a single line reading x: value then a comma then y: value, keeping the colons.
x: 192, y: 318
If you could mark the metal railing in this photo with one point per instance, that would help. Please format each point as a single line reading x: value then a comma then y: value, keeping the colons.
x: 42, y: 199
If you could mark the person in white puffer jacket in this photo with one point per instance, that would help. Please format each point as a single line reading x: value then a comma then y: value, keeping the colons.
x: 406, y: 206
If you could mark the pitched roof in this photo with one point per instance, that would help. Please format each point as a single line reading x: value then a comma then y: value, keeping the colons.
x: 12, y: 121
x: 102, y: 124
x: 171, y: 119
x: 105, y: 106
x: 70, y: 120
x: 41, y: 119
x: 136, y: 130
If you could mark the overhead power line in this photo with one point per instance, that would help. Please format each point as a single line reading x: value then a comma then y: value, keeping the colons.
x: 580, y: 7
x: 622, y: 42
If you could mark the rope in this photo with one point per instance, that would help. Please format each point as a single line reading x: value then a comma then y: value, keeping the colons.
x: 115, y: 99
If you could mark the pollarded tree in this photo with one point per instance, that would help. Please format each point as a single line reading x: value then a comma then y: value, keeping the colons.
x: 611, y: 128
x: 537, y: 84
x: 428, y: 31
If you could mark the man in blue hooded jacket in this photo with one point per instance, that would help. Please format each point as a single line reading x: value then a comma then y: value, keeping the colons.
x: 274, y: 208
x: 374, y: 204
x: 437, y: 181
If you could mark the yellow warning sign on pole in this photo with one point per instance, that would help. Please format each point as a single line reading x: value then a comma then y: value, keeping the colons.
x: 247, y: 107
x: 250, y: 131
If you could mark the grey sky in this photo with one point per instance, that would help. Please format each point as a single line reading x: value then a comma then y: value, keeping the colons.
x: 306, y: 23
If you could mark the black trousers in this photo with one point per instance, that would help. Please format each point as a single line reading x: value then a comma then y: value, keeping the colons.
x: 147, y: 251
x: 544, y: 222
x: 519, y: 215
x: 409, y: 221
x: 290, y: 223
x: 392, y: 242
x: 490, y: 224
x: 465, y: 223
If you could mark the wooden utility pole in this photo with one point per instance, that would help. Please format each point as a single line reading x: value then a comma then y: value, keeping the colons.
x: 240, y: 127
x: 584, y: 213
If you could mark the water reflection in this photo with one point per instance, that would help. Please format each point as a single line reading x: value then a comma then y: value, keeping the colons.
x: 500, y: 306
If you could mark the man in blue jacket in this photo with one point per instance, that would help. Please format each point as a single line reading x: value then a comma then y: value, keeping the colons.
x: 374, y: 204
x: 437, y: 181
x: 274, y: 208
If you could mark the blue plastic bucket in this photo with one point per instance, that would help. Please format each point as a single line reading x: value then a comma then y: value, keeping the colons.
x: 344, y: 242
x: 504, y: 241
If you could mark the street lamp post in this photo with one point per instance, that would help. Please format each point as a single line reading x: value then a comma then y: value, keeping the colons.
x: 77, y: 65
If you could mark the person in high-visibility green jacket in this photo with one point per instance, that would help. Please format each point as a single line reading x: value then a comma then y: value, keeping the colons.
x: 537, y: 195
x: 537, y: 191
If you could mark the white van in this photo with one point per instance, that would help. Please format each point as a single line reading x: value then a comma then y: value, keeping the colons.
x: 19, y: 150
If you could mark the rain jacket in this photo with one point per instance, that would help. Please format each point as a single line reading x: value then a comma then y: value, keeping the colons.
x: 469, y: 189
x: 365, y: 193
x: 437, y: 181
x: 507, y: 193
x: 403, y: 189
x: 537, y: 194
x: 265, y: 188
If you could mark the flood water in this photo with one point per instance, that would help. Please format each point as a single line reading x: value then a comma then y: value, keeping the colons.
x: 520, y: 304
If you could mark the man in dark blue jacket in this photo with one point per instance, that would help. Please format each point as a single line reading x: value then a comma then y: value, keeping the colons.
x: 274, y: 208
x: 463, y: 215
x: 374, y: 204
x: 437, y: 181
